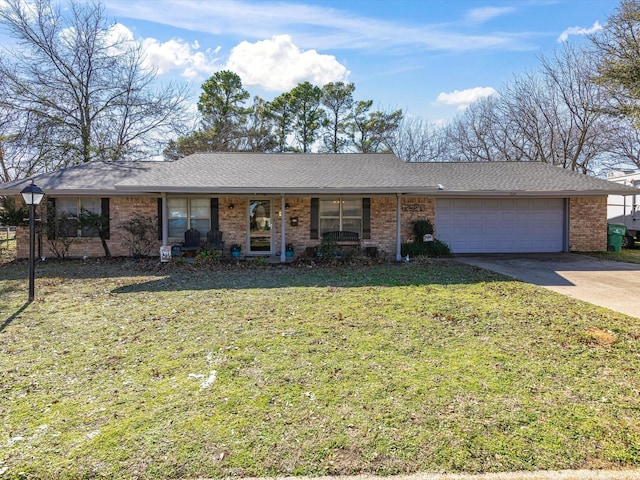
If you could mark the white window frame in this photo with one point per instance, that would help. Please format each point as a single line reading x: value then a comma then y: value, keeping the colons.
x: 341, y: 216
x: 189, y: 219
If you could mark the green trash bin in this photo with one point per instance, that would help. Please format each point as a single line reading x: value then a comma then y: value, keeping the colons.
x: 614, y: 237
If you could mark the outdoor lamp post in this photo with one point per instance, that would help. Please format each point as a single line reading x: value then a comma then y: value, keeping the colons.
x: 32, y: 195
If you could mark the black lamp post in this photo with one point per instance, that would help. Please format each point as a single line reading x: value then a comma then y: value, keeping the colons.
x: 32, y: 195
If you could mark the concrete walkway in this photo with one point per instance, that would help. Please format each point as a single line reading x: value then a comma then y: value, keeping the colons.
x: 609, y: 284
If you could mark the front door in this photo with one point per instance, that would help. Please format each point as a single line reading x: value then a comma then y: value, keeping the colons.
x: 260, y: 227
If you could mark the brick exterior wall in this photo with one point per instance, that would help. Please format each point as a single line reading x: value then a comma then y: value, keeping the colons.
x: 383, y: 221
x: 121, y: 209
x: 587, y: 224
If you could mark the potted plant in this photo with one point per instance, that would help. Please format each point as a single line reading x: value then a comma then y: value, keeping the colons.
x: 235, y: 250
x: 289, y: 250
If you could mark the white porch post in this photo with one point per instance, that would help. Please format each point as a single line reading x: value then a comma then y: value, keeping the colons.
x: 283, y: 240
x: 165, y: 221
x: 398, y: 228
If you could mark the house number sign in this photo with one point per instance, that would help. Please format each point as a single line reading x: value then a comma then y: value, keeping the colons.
x: 413, y: 207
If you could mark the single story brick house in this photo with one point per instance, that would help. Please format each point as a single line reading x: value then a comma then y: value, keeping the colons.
x: 264, y: 202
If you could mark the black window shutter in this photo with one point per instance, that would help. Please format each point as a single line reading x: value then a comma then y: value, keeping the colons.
x: 159, y: 218
x: 51, y: 217
x: 315, y: 218
x: 215, y: 215
x: 104, y: 210
x: 366, y: 218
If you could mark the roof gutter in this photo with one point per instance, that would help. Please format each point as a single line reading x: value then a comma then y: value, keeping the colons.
x: 279, y: 190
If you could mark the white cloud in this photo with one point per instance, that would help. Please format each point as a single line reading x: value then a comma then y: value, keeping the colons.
x: 564, y: 36
x: 277, y: 64
x: 174, y: 54
x: 463, y: 98
x: 481, y: 15
x: 177, y: 54
x: 313, y: 26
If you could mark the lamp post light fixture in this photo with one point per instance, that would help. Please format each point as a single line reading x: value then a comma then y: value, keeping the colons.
x: 32, y: 195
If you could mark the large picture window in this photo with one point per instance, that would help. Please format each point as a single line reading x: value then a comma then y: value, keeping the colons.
x: 71, y: 207
x: 341, y: 214
x: 186, y: 213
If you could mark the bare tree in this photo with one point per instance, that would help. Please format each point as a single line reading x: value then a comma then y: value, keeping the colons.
x: 624, y: 146
x: 416, y: 140
x: 553, y: 116
x: 471, y: 136
x: 82, y: 90
x: 589, y: 131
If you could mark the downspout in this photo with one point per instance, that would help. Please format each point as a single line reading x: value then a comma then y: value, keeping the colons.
x: 566, y: 235
x: 165, y: 221
x: 398, y: 229
x: 283, y: 240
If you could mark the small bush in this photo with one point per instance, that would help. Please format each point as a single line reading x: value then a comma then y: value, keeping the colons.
x: 421, y: 228
x: 328, y: 248
x: 59, y: 230
x: 141, y: 234
x: 12, y: 215
x: 436, y: 248
x: 207, y: 257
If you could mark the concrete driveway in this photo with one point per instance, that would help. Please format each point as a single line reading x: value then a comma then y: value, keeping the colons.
x: 609, y: 284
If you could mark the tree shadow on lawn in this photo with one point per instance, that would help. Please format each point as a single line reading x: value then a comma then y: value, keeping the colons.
x: 180, y: 277
x: 348, y: 276
x: 81, y: 269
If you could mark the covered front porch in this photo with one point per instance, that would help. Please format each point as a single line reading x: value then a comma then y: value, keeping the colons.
x: 270, y: 226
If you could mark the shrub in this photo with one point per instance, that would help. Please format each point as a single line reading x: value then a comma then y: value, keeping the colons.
x: 328, y: 248
x: 421, y: 228
x: 11, y: 215
x: 436, y: 248
x: 58, y: 230
x: 141, y: 234
x: 207, y: 257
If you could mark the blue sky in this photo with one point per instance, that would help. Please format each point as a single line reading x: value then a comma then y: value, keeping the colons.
x: 428, y: 57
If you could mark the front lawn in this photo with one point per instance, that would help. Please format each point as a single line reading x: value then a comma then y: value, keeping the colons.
x: 125, y: 370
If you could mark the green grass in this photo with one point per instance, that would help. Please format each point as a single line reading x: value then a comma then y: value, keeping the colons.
x: 125, y: 370
x: 7, y: 246
x: 630, y: 255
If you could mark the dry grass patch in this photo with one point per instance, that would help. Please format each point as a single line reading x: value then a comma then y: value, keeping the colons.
x: 602, y: 338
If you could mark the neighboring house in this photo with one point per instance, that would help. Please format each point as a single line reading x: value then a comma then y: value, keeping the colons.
x: 625, y: 210
x: 265, y: 201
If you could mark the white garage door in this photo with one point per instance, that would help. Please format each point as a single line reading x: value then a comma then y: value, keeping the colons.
x: 501, y: 225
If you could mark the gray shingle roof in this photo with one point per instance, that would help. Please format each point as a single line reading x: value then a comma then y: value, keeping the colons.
x: 278, y: 173
x: 95, y: 178
x: 255, y: 173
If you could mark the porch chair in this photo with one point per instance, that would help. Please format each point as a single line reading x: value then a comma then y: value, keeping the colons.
x: 214, y: 240
x: 191, y: 242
